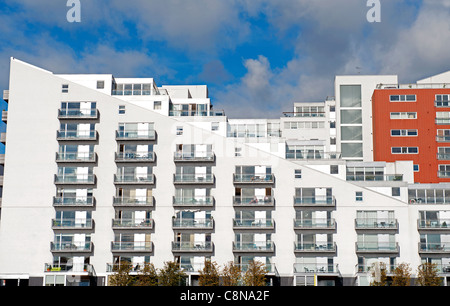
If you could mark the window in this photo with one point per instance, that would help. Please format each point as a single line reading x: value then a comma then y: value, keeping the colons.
x: 402, y: 98
x: 395, y: 191
x: 416, y: 168
x: 359, y: 196
x: 442, y: 101
x: 400, y: 133
x: 157, y: 105
x: 334, y: 169
x: 179, y: 130
x: 121, y: 109
x: 237, y: 151
x: 350, y: 95
x: 404, y: 150
x: 404, y: 115
x: 444, y: 171
x: 100, y: 84
x: 214, y: 126
x: 65, y: 88
x: 298, y: 173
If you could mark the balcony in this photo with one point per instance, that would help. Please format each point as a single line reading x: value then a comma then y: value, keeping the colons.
x: 207, y: 156
x: 89, y: 157
x: 120, y: 224
x: 133, y: 201
x: 5, y: 116
x: 441, y: 156
x: 78, y: 114
x: 130, y: 157
x: 134, y: 179
x: 327, y: 247
x: 255, y: 201
x: 316, y: 268
x: 442, y: 121
x: 76, y: 179
x: 253, y: 179
x: 136, y: 135
x: 254, y: 247
x: 207, y: 223
x: 81, y: 268
x: 67, y: 201
x: 132, y: 246
x: 434, y: 248
x: 439, y: 225
x: 376, y: 224
x: 443, y: 138
x: 74, y: 247
x: 316, y: 224
x: 193, y: 179
x: 375, y: 177
x: 374, y: 247
x: 192, y: 247
x: 250, y: 224
x: 299, y: 155
x: 6, y: 95
x: 69, y: 224
x: 76, y: 135
x: 315, y: 201
x: 3, y: 138
x: 201, y: 201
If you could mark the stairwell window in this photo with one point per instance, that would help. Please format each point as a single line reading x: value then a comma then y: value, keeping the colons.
x: 403, y: 115
x: 65, y: 88
x: 404, y: 150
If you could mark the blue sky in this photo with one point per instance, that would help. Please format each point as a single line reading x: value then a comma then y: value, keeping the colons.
x: 256, y: 56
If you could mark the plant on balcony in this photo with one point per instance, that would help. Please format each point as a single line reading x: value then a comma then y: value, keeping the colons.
x: 427, y: 275
x: 209, y: 275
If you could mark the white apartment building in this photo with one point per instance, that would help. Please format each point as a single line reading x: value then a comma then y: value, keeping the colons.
x: 99, y: 169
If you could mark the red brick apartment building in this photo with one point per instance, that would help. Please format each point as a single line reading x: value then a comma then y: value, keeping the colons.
x: 412, y: 122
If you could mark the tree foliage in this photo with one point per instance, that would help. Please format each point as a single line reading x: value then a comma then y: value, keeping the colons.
x: 172, y: 275
x: 427, y: 275
x: 255, y: 274
x: 209, y: 275
x: 402, y: 275
x: 231, y: 274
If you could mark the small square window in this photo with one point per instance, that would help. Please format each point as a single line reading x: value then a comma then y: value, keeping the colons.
x: 65, y: 88
x: 359, y: 196
x: 237, y: 151
x: 214, y: 126
x: 334, y: 169
x: 179, y: 130
x: 100, y: 84
x: 298, y: 173
x: 121, y: 109
x: 395, y: 191
x: 416, y: 168
x: 157, y: 105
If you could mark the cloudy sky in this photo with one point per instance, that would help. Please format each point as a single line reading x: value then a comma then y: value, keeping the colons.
x: 256, y: 56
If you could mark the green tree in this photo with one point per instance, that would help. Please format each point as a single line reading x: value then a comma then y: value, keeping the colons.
x: 402, y: 275
x: 148, y: 276
x: 255, y: 274
x: 122, y: 276
x: 172, y: 275
x: 428, y: 275
x: 209, y: 275
x: 231, y: 274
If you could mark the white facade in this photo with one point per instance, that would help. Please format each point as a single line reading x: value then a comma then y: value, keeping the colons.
x: 157, y: 182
